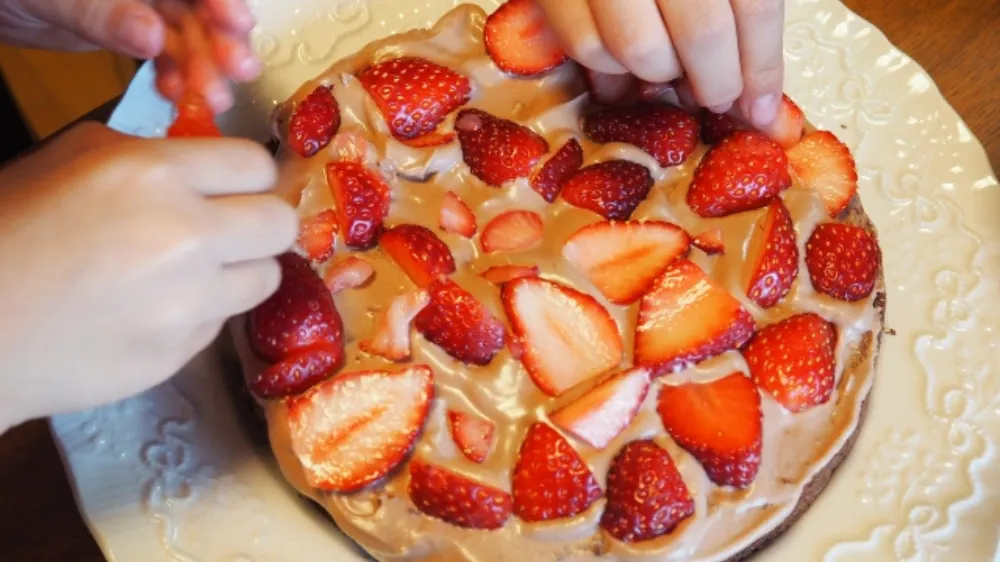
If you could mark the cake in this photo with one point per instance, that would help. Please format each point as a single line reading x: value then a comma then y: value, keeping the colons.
x: 533, y: 315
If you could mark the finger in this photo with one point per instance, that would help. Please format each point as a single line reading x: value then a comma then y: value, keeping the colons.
x: 201, y: 338
x: 79, y: 140
x: 189, y: 46
x: 210, y: 166
x: 636, y: 36
x: 760, y: 24
x: 233, y: 16
x: 242, y: 286
x: 704, y: 34
x: 573, y: 23
x: 130, y: 27
x: 169, y: 81
x: 233, y: 55
x: 251, y: 227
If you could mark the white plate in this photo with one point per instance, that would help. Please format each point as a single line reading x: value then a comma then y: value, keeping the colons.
x: 170, y: 475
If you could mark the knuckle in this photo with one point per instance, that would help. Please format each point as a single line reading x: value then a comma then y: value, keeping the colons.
x: 586, y: 49
x: 769, y: 76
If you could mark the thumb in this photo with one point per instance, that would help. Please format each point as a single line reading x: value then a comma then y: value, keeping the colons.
x: 129, y: 27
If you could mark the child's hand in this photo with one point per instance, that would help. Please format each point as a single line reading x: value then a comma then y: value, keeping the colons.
x: 122, y: 258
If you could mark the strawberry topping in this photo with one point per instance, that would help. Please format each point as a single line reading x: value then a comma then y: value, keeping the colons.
x: 456, y: 499
x: 612, y: 189
x: 314, y: 122
x: 512, y: 231
x: 825, y: 165
x: 349, y: 273
x: 550, y: 480
x: 548, y: 181
x: 194, y: 119
x: 497, y: 150
x: 843, y: 261
x: 472, y: 434
x: 392, y: 335
x: 459, y: 324
x: 711, y: 242
x: 298, y: 372
x: 362, y: 199
x: 419, y: 252
x: 603, y: 412
x: 500, y: 274
x: 317, y: 235
x: 456, y: 217
x: 774, y: 254
x: 520, y: 41
x: 787, y: 127
x: 664, y: 132
x: 743, y: 172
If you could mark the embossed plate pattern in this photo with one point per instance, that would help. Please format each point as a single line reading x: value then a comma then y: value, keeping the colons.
x: 169, y: 475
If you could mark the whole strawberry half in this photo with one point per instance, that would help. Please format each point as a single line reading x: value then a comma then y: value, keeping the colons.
x: 603, y: 412
x: 297, y: 372
x: 497, y: 150
x: 456, y: 499
x: 550, y: 480
x: 743, y: 172
x: 314, y: 122
x: 774, y: 255
x: 472, y: 434
x: 419, y: 252
x: 825, y: 165
x: 548, y: 181
x: 666, y: 133
x: 519, y: 40
x: 612, y: 189
x: 459, y: 324
x: 362, y: 199
x: 843, y: 261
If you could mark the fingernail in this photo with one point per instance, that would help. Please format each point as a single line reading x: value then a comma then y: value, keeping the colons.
x: 763, y: 110
x: 721, y: 108
x: 140, y: 34
x: 248, y: 68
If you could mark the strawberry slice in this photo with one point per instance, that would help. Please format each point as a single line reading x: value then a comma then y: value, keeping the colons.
x: 793, y: 360
x: 687, y: 318
x: 566, y: 336
x: 392, y: 333
x: 497, y: 150
x: 419, y: 252
x: 299, y: 315
x: 472, y: 434
x: 430, y: 140
x: 456, y: 217
x: 519, y: 40
x: 774, y: 254
x: 512, y: 231
x: 314, y: 122
x: 719, y: 423
x: 743, y: 172
x: 612, y: 189
x: 194, y: 119
x: 603, y: 412
x: 717, y: 126
x: 550, y: 480
x: 298, y: 372
x: 414, y: 94
x: 611, y: 89
x: 317, y: 235
x: 621, y: 259
x: 711, y: 242
x: 351, y: 430
x: 825, y: 165
x: 646, y: 495
x: 456, y: 499
x: 548, y: 181
x: 664, y: 132
x: 788, y: 125
x: 362, y: 199
x: 459, y: 324
x: 843, y: 261
x: 500, y: 274
x: 349, y: 273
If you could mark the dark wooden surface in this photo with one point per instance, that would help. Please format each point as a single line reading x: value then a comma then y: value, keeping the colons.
x: 957, y: 41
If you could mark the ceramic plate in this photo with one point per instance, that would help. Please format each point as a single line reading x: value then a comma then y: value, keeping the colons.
x: 170, y: 475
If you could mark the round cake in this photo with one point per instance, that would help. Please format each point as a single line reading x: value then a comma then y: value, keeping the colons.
x: 538, y: 314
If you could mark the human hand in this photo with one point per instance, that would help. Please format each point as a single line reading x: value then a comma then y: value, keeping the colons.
x: 123, y: 258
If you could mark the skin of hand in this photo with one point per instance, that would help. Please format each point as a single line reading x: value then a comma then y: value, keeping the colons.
x: 729, y: 51
x: 123, y: 258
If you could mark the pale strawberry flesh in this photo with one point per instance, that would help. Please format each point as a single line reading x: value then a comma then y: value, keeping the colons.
x: 776, y: 263
x: 745, y: 171
x: 459, y: 324
x: 362, y: 199
x: 788, y: 125
x: 843, y: 261
x: 500, y: 274
x: 598, y: 416
x: 612, y: 189
x: 350, y: 273
x: 497, y: 150
x: 455, y: 499
x: 520, y: 41
x: 550, y: 480
x: 418, y: 252
x: 456, y: 217
x: 666, y: 133
x: 826, y: 166
x: 548, y: 181
x: 318, y: 235
x: 314, y: 122
x: 392, y: 336
x: 512, y: 231
x: 473, y: 435
x: 711, y: 242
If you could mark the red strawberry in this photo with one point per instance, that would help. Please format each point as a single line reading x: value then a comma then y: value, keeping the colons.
x: 297, y: 372
x: 621, y: 259
x: 456, y: 217
x: 351, y: 430
x: 686, y: 318
x: 512, y: 231
x: 194, y: 119
x: 362, y: 202
x: 793, y: 360
x: 472, y: 434
x: 421, y: 254
x: 392, y: 335
x: 664, y: 132
x: 299, y: 315
x: 787, y: 127
x: 611, y: 89
x: 314, y: 122
x: 719, y: 423
x: 414, y: 94
x: 825, y: 165
x: 430, y: 140
x: 550, y: 480
x: 717, y: 126
x: 843, y: 261
x: 603, y: 412
x: 497, y: 150
x: 774, y: 254
x: 612, y: 189
x: 646, y: 495
x: 567, y: 336
x: 458, y: 323
x: 743, y: 172
x: 548, y: 181
x: 457, y: 500
x: 349, y: 273
x: 711, y: 242
x: 519, y: 40
x: 317, y: 235
x: 501, y: 274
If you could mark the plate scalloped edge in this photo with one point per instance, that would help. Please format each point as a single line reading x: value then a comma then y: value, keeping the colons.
x: 158, y: 475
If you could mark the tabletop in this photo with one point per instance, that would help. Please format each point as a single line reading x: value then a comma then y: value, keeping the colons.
x: 955, y: 40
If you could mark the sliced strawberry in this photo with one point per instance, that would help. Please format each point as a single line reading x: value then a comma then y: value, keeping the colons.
x: 349, y: 273
x: 711, y: 242
x: 472, y: 434
x: 719, y: 423
x: 455, y: 499
x: 611, y: 89
x: 497, y: 150
x: 843, y: 261
x: 793, y: 360
x: 512, y: 231
x: 297, y: 372
x: 603, y: 412
x: 419, y: 252
x: 299, y: 315
x: 430, y: 140
x: 193, y: 119
x: 317, y: 235
x: 414, y: 94
x: 567, y: 336
x: 362, y: 202
x: 459, y: 324
x: 550, y: 480
x: 825, y: 165
x: 351, y: 430
x: 787, y: 127
x: 664, y: 132
x: 314, y: 122
x: 548, y: 181
x: 519, y: 40
x: 774, y: 254
x: 646, y: 495
x: 500, y: 274
x: 392, y: 334
x: 612, y: 189
x: 686, y: 318
x: 717, y: 126
x: 349, y: 147
x: 621, y: 259
x: 456, y: 217
x: 743, y: 172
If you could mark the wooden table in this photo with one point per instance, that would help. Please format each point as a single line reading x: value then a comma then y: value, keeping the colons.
x: 956, y: 41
